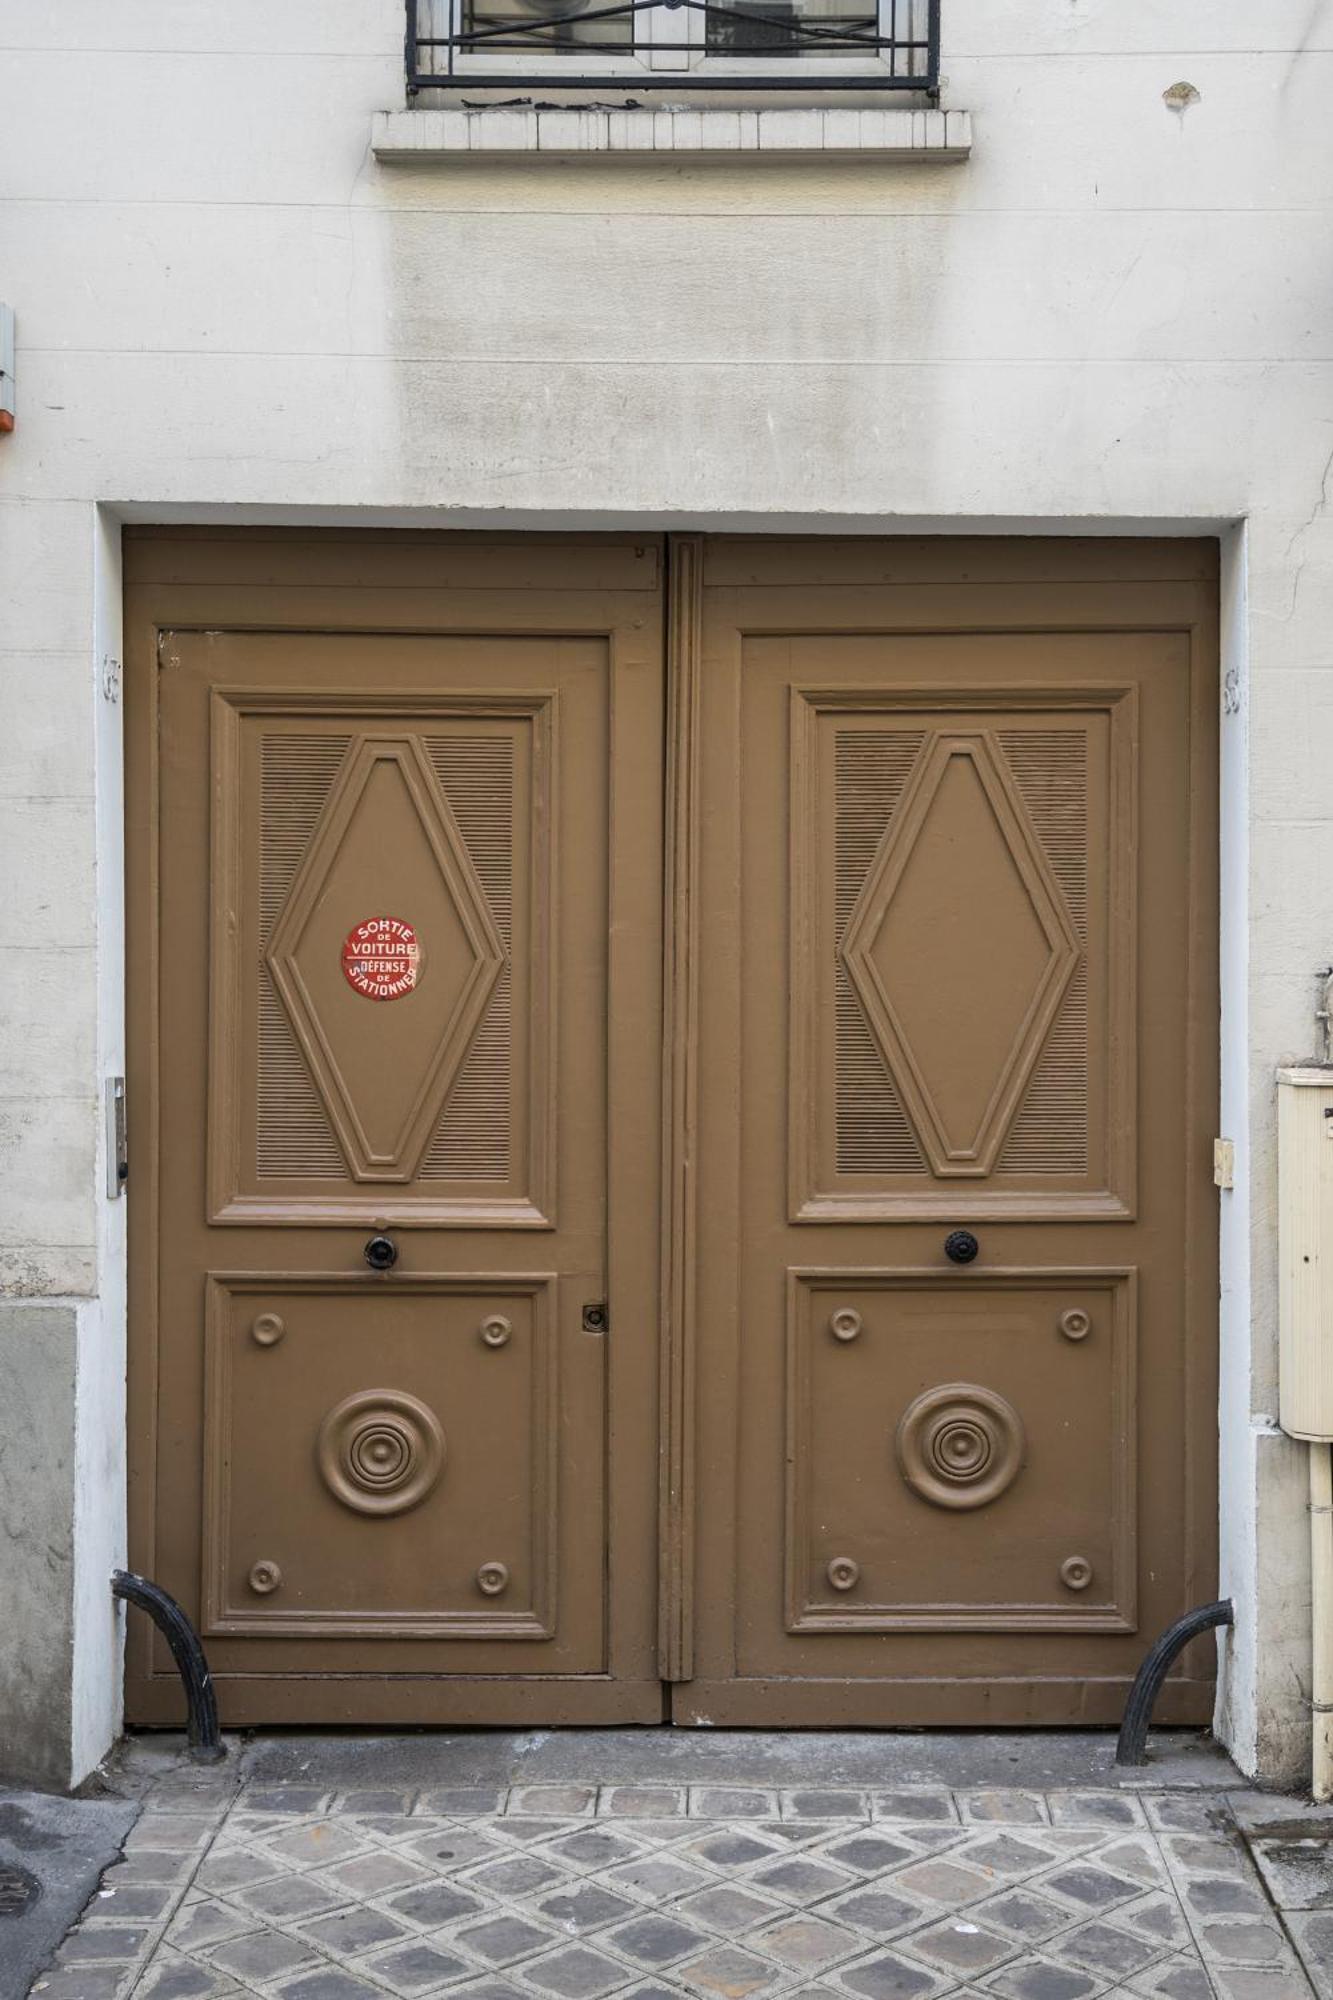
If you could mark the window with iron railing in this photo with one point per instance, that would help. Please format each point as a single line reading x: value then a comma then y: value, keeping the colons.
x: 756, y: 45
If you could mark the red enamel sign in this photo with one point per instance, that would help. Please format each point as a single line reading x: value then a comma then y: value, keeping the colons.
x: 381, y: 958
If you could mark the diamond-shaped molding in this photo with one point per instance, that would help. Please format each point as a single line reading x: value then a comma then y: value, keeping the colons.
x: 960, y: 947
x: 387, y: 844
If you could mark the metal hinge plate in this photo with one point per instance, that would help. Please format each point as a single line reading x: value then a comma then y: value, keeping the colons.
x: 117, y: 1147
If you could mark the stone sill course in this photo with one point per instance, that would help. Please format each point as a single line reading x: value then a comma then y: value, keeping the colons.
x: 444, y: 135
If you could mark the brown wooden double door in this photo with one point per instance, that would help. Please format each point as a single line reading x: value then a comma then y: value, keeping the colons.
x: 672, y: 1095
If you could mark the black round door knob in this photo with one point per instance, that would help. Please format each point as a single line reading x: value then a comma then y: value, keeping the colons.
x: 960, y: 1246
x: 381, y: 1253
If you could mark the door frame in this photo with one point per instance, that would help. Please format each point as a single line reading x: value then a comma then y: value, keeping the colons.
x: 180, y: 592
x: 413, y: 582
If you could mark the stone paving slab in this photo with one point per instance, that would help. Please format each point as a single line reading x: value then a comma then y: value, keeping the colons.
x: 319, y: 1884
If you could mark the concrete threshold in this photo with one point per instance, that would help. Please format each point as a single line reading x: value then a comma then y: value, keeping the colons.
x: 1047, y: 1760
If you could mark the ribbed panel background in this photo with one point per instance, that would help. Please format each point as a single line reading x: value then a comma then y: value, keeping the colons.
x: 472, y: 1141
x: 294, y: 1138
x: 1049, y: 1134
x: 871, y: 768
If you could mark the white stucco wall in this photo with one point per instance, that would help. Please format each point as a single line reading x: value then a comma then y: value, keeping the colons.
x: 1114, y: 314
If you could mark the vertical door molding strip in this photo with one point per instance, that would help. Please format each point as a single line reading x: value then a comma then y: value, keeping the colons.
x: 684, y: 608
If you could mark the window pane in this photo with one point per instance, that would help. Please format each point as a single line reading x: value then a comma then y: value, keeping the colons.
x: 790, y: 27
x: 585, y: 25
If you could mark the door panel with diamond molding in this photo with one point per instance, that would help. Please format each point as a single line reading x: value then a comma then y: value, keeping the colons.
x: 395, y: 967
x: 952, y: 1448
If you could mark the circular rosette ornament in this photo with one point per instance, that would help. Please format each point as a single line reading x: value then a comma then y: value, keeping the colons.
x: 380, y: 1452
x: 960, y: 1445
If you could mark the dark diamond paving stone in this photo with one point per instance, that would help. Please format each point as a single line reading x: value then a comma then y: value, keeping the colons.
x: 594, y: 1849
x: 1092, y: 1809
x: 351, y: 1931
x: 655, y: 1940
x: 729, y: 1972
x: 262, y: 1955
x: 417, y: 1966
x: 519, y: 1877
x: 103, y: 1941
x: 1021, y: 1911
x: 294, y: 1896
x: 434, y: 1903
x: 1194, y: 1815
x: 1247, y: 1942
x: 802, y: 1878
x: 1009, y: 1855
x: 503, y: 1938
x: 876, y: 1910
x: 870, y: 1852
x: 1093, y: 1887
x: 1016, y: 1807
x: 828, y: 1805
x: 1158, y: 1920
x: 1038, y: 1980
x: 660, y: 1877
x: 181, y: 1982
x: 887, y: 1977
x: 456, y: 1845
x: 1218, y: 1896
x: 732, y: 1850
x: 584, y: 1909
x: 372, y: 1801
x: 1136, y: 1858
x: 282, y: 1799
x: 1103, y: 1949
x: 1317, y: 1938
x: 728, y: 1909
x: 330, y: 1986
x: 642, y: 1801
x: 724, y: 1802
x: 1206, y: 1856
x: 962, y: 1946
x: 138, y: 1899
x: 1185, y: 1982
x: 233, y: 1871
x: 206, y: 1923
x: 146, y: 1866
x: 913, y: 1805
x: 576, y: 1974
x: 83, y: 1982
x: 460, y: 1802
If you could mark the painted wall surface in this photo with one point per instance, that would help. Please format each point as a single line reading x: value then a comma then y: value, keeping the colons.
x: 1115, y: 313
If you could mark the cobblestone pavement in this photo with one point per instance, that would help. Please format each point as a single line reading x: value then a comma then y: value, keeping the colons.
x: 651, y: 1891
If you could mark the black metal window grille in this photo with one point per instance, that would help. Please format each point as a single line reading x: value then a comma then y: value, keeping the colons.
x: 706, y: 44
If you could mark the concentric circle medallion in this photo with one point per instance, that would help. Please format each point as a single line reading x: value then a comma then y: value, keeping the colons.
x: 960, y: 1445
x: 380, y: 1452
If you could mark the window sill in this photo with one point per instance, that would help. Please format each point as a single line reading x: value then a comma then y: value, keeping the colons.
x: 495, y: 132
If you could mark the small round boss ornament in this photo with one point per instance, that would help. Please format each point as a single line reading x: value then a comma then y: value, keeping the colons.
x: 381, y: 958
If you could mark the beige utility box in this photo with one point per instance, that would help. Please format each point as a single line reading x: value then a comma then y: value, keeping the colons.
x: 1305, y: 1250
